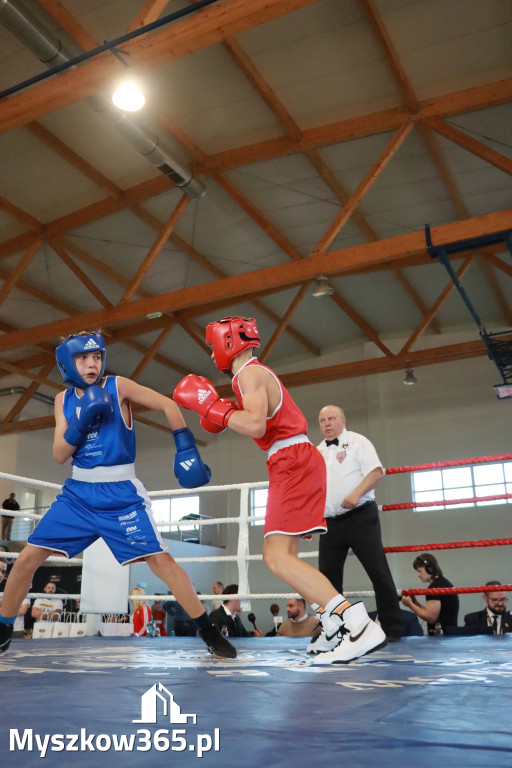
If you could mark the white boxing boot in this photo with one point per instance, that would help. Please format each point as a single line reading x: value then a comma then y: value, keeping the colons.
x: 359, y: 636
x: 322, y: 644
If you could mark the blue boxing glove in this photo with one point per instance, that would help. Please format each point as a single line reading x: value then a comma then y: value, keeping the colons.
x: 94, y: 404
x: 189, y: 469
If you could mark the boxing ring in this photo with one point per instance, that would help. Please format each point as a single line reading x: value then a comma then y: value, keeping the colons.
x: 93, y: 701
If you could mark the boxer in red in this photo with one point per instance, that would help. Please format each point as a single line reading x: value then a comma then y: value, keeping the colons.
x: 266, y: 412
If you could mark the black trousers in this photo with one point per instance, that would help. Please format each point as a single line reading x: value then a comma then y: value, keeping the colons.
x: 359, y: 530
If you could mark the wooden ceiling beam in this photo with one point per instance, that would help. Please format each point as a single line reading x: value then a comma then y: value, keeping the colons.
x: 193, y: 33
x: 393, y: 59
x: 496, y: 288
x: 74, y: 159
x: 377, y: 365
x: 150, y: 12
x: 21, y: 266
x: 151, y: 352
x: 369, y: 179
x: 360, y: 322
x: 436, y: 306
x: 270, y: 279
x: 261, y: 86
x: 503, y: 265
x: 410, y: 291
x: 471, y: 145
x: 480, y: 97
x: 89, y: 214
x: 84, y: 279
x: 16, y: 213
x: 27, y: 395
x: 69, y: 23
x: 256, y: 215
x: 334, y: 185
x: 415, y: 358
x: 156, y: 248
x: 281, y: 327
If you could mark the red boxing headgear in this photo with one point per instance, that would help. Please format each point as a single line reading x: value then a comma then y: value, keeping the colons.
x: 229, y: 337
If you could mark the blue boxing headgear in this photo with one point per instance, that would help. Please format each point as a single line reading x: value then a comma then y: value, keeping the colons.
x: 76, y: 345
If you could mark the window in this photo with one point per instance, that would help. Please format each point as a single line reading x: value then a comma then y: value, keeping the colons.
x: 168, y: 511
x: 258, y: 504
x: 466, y: 482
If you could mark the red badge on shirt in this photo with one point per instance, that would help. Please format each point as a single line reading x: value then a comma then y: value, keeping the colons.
x: 341, y: 456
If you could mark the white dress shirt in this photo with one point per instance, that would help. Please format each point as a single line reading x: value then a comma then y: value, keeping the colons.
x: 347, y: 464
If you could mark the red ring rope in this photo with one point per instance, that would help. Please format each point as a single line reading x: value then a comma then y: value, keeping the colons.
x: 444, y: 502
x: 450, y: 545
x: 458, y: 590
x: 450, y: 463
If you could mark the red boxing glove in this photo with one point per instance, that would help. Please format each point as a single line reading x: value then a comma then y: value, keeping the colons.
x: 197, y: 393
x: 210, y: 426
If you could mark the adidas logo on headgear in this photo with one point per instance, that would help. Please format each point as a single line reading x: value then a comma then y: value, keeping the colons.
x: 202, y: 394
x: 91, y: 344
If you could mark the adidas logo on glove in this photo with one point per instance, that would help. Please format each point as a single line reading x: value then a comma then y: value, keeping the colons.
x: 187, y: 464
x: 202, y: 394
x: 91, y: 344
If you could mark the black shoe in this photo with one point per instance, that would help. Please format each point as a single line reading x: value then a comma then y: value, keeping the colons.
x: 394, y: 638
x: 217, y: 644
x: 5, y: 636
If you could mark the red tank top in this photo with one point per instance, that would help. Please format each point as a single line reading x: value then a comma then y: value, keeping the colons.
x: 287, y: 419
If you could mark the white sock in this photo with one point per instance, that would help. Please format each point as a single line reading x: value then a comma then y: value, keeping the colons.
x: 331, y: 618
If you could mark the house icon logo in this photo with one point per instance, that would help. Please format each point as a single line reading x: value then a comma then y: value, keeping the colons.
x: 149, y: 706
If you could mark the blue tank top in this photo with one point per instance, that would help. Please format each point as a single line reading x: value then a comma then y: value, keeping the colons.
x: 108, y: 443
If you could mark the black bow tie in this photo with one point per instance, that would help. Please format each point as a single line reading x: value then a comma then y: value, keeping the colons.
x: 332, y: 442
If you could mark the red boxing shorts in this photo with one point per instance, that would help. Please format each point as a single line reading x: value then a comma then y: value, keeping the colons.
x: 297, y: 491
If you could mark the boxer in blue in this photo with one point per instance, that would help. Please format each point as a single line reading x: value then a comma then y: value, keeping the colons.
x: 103, y: 498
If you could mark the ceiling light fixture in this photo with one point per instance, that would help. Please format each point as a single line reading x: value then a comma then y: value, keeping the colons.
x: 322, y: 288
x: 410, y: 379
x: 128, y: 97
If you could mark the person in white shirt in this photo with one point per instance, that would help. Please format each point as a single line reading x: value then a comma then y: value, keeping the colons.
x: 352, y: 516
x: 49, y: 605
x: 217, y: 589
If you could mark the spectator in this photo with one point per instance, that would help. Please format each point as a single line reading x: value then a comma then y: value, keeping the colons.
x: 411, y: 626
x: 3, y: 573
x: 352, y: 516
x: 299, y: 624
x: 494, y: 614
x: 141, y: 613
x: 228, y: 615
x: 183, y: 625
x: 47, y: 605
x: 217, y: 589
x: 158, y: 614
x: 7, y: 520
x: 439, y: 609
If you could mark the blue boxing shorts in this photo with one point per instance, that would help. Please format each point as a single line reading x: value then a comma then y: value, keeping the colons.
x: 118, y: 512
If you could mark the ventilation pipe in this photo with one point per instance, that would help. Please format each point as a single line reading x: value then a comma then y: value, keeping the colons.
x: 46, y: 399
x: 51, y: 52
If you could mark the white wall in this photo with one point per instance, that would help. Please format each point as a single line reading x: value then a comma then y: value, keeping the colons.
x: 452, y: 413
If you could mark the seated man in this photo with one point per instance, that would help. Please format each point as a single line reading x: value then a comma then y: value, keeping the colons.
x: 227, y: 616
x: 494, y: 614
x: 47, y: 605
x: 299, y: 624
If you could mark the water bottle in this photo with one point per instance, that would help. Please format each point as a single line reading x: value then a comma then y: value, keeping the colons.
x: 224, y: 631
x: 438, y: 630
x: 150, y: 628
